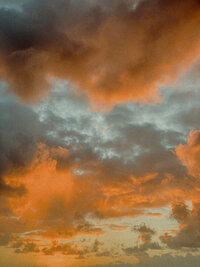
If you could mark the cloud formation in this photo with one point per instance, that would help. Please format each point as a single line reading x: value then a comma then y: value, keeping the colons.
x: 115, y: 51
x: 72, y: 204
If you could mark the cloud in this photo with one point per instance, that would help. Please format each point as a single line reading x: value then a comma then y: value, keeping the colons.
x: 145, y: 232
x: 75, y: 159
x: 28, y: 247
x: 104, y: 48
x: 4, y: 239
x: 96, y: 246
x: 140, y: 252
x: 69, y: 173
x: 20, y: 132
x: 66, y: 249
x: 160, y: 261
x: 180, y: 211
x: 188, y: 235
x: 189, y: 153
x: 73, y: 151
x: 145, y: 235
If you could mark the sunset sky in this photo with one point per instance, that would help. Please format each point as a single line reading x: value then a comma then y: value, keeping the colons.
x: 99, y: 133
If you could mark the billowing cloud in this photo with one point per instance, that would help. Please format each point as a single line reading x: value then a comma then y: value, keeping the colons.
x: 116, y: 51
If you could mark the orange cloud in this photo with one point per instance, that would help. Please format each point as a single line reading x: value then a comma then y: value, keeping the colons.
x: 59, y: 203
x: 189, y: 153
x: 113, y: 51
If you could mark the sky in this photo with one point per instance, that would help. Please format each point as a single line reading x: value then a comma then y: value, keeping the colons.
x: 99, y: 133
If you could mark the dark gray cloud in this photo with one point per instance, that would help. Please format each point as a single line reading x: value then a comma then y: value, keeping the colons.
x: 20, y: 133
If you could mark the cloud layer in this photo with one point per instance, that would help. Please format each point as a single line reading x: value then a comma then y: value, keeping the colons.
x: 85, y: 186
